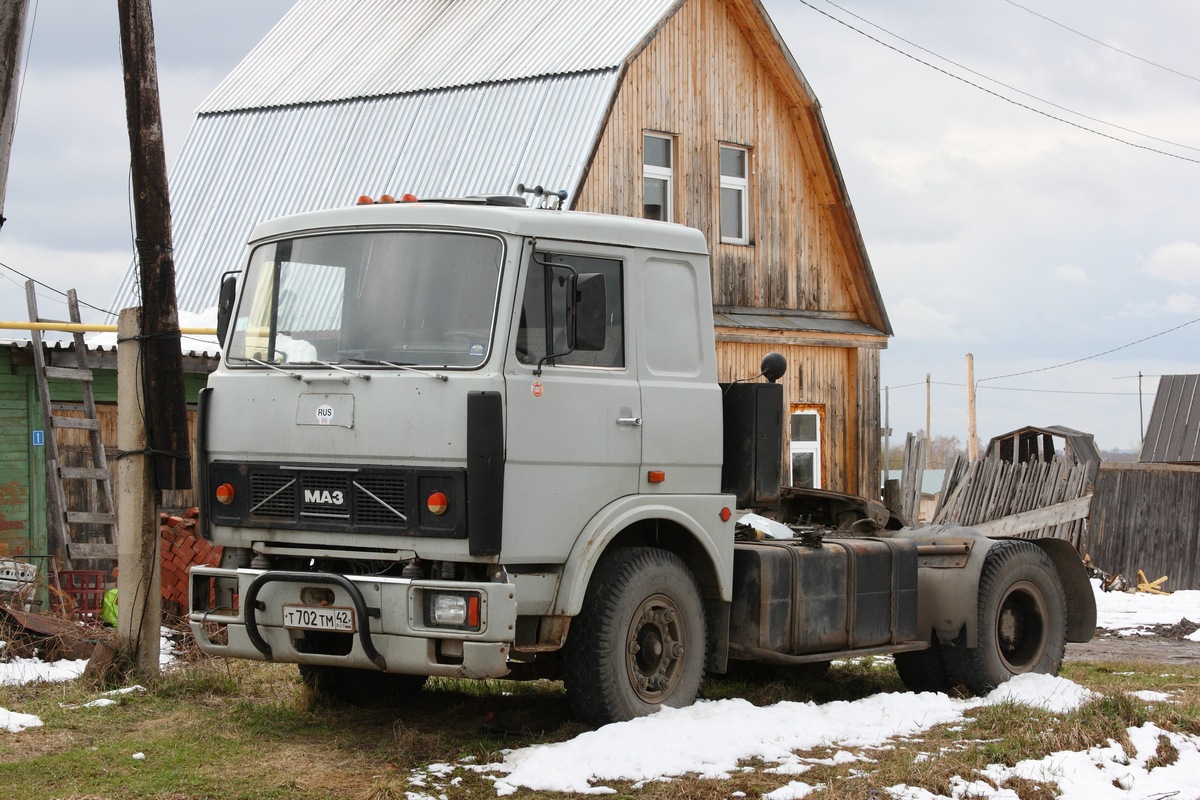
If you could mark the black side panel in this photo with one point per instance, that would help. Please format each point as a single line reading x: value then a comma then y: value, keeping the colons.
x: 753, y: 417
x: 202, y: 460
x: 485, y: 472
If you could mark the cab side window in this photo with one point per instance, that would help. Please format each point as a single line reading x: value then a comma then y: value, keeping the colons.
x: 545, y: 299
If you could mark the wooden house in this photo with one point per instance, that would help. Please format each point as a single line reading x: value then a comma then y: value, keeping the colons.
x: 692, y: 111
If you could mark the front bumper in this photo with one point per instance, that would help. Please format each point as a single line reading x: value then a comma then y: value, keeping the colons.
x: 391, y: 630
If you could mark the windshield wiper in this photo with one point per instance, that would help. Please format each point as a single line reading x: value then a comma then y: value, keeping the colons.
x: 269, y: 365
x: 405, y: 367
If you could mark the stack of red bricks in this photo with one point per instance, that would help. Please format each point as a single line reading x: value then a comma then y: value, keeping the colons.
x: 182, y: 547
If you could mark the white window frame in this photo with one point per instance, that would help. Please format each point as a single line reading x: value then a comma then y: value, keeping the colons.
x: 661, y: 173
x: 813, y: 447
x: 740, y: 184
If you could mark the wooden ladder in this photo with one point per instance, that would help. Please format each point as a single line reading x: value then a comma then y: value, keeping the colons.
x: 88, y: 533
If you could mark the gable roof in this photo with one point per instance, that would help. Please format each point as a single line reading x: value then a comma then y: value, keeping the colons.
x: 432, y: 97
x: 1173, y: 435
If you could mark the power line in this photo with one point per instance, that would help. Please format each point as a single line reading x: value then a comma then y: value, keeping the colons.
x: 1104, y: 44
x: 995, y: 94
x: 1011, y: 88
x: 1095, y: 355
x: 51, y: 288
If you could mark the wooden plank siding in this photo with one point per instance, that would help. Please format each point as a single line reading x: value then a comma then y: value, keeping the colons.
x: 817, y: 376
x: 1147, y: 517
x: 701, y: 81
x: 714, y: 74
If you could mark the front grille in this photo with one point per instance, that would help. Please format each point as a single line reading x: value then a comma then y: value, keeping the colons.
x: 379, y: 499
x: 365, y: 499
x: 272, y: 495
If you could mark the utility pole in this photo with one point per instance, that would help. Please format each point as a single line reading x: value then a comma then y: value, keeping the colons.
x: 972, y: 442
x: 154, y: 419
x: 162, y: 360
x: 12, y: 37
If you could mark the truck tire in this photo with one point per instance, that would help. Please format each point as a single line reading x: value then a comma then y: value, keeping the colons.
x: 923, y: 670
x: 639, y: 641
x: 360, y: 687
x: 1022, y: 620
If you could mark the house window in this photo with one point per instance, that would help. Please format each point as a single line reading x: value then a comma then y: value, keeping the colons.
x: 805, y: 449
x: 658, y: 181
x: 735, y: 194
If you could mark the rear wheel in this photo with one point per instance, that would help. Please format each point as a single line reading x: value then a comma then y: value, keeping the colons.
x: 639, y: 640
x: 1022, y: 620
x: 360, y: 687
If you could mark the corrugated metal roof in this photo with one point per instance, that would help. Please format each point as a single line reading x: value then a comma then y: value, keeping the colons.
x: 240, y: 168
x: 1173, y: 435
x: 329, y: 50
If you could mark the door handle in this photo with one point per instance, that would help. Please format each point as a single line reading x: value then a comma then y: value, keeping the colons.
x: 634, y: 421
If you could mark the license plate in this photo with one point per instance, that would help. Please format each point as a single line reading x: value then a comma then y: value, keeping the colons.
x: 319, y: 618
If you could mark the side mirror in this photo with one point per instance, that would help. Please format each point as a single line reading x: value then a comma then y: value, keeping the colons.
x: 225, y: 301
x: 591, y: 312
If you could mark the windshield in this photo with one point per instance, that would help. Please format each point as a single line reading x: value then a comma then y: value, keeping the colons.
x: 414, y: 298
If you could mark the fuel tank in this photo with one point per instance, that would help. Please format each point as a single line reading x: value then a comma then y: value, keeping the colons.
x: 794, y: 598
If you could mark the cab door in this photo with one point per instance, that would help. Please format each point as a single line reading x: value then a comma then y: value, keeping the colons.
x: 574, y: 429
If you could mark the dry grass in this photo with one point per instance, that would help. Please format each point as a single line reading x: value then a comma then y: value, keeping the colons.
x: 233, y: 729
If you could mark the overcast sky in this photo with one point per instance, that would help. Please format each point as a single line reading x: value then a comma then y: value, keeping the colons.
x: 993, y: 229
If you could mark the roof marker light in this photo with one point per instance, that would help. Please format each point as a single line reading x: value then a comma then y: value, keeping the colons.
x: 364, y: 200
x: 408, y: 198
x: 386, y: 198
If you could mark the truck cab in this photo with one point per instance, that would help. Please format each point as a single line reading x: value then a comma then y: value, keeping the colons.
x: 473, y: 439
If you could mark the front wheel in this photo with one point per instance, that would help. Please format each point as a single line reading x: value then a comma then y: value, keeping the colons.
x: 639, y: 641
x: 1022, y: 620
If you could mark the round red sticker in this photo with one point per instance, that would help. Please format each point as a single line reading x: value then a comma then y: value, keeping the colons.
x: 536, y: 388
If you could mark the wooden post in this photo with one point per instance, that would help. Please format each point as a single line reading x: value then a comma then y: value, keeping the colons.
x: 928, y: 412
x: 12, y: 35
x: 139, y: 580
x: 972, y: 440
x: 166, y: 418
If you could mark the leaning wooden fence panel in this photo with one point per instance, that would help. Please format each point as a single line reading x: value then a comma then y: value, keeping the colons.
x: 1030, y: 499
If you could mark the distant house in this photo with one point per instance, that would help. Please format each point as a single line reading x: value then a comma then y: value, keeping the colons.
x: 690, y: 111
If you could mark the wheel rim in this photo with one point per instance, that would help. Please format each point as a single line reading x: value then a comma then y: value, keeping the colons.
x: 1021, y: 627
x: 654, y: 648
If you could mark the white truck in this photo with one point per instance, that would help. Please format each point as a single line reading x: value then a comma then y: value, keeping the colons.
x: 469, y: 438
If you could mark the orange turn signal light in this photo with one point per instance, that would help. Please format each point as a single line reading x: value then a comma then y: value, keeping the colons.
x: 726, y: 514
x: 225, y: 494
x: 437, y: 503
x: 656, y: 476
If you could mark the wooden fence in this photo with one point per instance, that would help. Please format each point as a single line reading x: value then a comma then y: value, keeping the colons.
x: 1147, y: 517
x: 1030, y: 499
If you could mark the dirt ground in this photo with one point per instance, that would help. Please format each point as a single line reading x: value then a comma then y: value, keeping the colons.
x: 1167, y: 644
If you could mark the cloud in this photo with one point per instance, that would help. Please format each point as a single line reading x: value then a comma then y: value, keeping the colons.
x: 1178, y: 262
x: 1070, y: 273
x: 1181, y: 303
x: 919, y: 322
